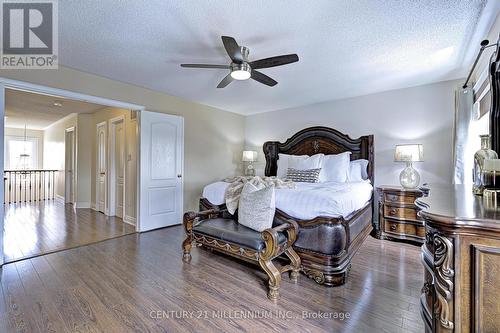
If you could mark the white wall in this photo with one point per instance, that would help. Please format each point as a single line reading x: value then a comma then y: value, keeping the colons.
x: 38, y: 134
x: 84, y: 130
x: 483, y: 62
x: 54, y: 154
x: 422, y: 114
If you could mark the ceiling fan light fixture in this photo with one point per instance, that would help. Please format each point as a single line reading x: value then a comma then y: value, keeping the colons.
x: 240, y: 75
x: 240, y: 71
x: 243, y: 69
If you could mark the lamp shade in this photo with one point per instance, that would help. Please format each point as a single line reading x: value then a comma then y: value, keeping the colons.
x: 409, y: 153
x: 249, y: 156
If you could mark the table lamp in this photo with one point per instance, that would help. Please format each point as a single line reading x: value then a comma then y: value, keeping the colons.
x: 249, y: 156
x: 409, y: 153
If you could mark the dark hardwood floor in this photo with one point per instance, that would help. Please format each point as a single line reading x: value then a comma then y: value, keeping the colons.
x: 32, y: 229
x: 138, y: 283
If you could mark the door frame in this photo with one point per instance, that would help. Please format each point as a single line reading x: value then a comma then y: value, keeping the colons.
x: 67, y: 199
x: 56, y: 92
x: 111, y: 193
x: 2, y: 182
x: 105, y: 125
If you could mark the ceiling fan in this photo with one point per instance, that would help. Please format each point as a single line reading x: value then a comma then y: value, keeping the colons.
x: 241, y: 68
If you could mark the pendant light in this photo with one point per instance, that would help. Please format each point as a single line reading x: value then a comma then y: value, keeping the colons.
x: 24, y: 156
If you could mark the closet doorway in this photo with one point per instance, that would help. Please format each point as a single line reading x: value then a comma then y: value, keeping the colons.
x: 117, y: 167
x: 101, y: 167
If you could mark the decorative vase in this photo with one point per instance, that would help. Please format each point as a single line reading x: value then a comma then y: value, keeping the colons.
x: 485, y: 153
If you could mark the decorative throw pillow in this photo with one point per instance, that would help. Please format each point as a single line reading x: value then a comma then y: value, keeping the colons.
x: 335, y: 168
x: 256, y: 207
x: 303, y: 176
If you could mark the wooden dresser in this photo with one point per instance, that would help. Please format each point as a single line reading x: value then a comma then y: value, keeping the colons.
x: 398, y: 218
x: 461, y: 259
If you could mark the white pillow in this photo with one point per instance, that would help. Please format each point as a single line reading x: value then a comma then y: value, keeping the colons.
x: 256, y: 207
x: 298, y: 162
x: 283, y: 163
x: 335, y: 168
x: 358, y: 170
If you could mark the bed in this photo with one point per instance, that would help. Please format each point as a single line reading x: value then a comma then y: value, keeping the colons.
x: 329, y: 235
x: 308, y: 200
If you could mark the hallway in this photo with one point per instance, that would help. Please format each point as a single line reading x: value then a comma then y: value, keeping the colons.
x: 32, y: 229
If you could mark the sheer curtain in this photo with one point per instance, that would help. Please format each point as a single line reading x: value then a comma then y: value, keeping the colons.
x: 463, y: 165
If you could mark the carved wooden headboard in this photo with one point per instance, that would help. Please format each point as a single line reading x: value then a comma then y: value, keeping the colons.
x: 319, y: 139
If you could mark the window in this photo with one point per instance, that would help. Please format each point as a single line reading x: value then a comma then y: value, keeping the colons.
x: 472, y: 119
x: 20, y: 154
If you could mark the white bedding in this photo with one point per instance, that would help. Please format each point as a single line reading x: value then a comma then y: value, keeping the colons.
x: 309, y: 200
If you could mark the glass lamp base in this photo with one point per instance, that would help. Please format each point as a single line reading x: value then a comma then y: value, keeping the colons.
x: 409, y: 177
x: 249, y: 170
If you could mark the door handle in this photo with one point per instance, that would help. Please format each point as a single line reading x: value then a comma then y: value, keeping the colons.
x: 179, y: 176
x: 103, y: 173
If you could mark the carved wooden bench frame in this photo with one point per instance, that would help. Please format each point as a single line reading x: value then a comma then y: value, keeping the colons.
x: 264, y: 257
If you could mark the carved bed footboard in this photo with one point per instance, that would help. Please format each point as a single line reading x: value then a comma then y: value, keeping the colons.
x: 327, y: 245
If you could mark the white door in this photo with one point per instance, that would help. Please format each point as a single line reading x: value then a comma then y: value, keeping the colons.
x: 70, y: 166
x: 119, y: 167
x: 101, y: 168
x: 161, y: 156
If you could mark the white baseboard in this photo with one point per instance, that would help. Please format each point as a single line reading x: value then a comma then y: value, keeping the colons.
x: 129, y: 220
x: 60, y: 198
x: 82, y: 204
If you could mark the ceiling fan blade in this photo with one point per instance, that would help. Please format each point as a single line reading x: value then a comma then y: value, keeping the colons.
x: 274, y: 61
x: 225, y: 81
x: 205, y: 66
x: 263, y: 78
x: 232, y: 49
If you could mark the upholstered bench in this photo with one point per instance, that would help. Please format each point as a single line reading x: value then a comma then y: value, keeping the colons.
x: 220, y: 231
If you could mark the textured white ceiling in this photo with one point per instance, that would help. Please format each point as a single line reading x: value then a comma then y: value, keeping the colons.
x: 38, y: 111
x: 346, y: 48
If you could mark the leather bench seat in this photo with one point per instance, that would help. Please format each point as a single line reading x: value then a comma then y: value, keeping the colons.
x: 231, y: 231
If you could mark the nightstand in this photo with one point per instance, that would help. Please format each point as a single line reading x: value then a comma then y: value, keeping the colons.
x: 398, y: 218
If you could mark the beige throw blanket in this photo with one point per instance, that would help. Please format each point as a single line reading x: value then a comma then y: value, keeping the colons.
x: 233, y: 191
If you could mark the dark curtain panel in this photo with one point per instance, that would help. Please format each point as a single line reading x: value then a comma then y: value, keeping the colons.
x: 495, y: 100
